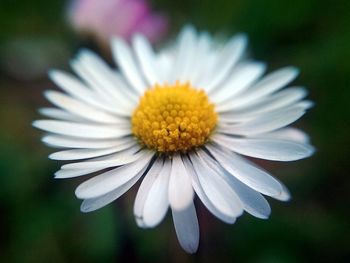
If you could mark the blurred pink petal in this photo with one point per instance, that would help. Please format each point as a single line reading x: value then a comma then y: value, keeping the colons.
x: 123, y: 18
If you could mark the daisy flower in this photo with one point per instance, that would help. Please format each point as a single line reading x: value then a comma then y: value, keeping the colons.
x: 184, y: 119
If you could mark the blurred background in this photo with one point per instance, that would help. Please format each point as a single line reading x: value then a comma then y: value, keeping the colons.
x: 40, y: 219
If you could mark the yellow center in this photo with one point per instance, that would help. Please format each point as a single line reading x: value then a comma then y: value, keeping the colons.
x: 172, y: 118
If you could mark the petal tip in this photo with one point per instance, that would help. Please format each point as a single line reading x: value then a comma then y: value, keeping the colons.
x: 294, y: 71
x: 52, y: 73
x: 36, y: 124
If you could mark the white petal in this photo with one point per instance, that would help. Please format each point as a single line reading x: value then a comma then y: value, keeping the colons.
x: 216, y: 189
x: 229, y: 56
x: 106, y: 101
x: 77, y: 154
x: 157, y: 202
x: 124, y: 58
x: 70, y: 173
x: 70, y: 142
x: 206, y: 71
x: 291, y: 134
x: 269, y: 149
x: 144, y: 188
x: 306, y: 104
x: 59, y: 114
x: 109, y: 181
x: 280, y: 99
x: 186, y: 227
x: 77, y: 89
x: 239, y: 80
x: 229, y: 219
x: 105, y: 78
x: 253, y: 202
x: 284, y: 195
x: 122, y: 84
x: 269, y: 84
x: 202, y: 51
x: 119, y: 158
x: 265, y: 123
x: 153, y: 198
x: 146, y: 57
x: 165, y: 61
x: 276, y: 101
x: 93, y: 204
x: 180, y: 187
x: 82, y: 130
x: 185, y: 55
x: 246, y: 172
x: 80, y: 109
x: 84, y: 72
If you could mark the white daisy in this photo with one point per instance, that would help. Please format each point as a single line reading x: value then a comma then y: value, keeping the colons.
x: 181, y: 118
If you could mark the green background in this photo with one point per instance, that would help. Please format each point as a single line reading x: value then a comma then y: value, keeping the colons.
x: 40, y: 219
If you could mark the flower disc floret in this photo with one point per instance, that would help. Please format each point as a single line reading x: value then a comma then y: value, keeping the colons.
x: 171, y: 118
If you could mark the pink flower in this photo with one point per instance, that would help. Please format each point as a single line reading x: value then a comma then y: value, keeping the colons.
x: 103, y: 19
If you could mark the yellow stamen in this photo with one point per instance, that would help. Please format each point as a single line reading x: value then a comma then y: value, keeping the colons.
x: 172, y: 118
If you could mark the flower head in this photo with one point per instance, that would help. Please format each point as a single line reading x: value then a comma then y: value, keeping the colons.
x: 107, y: 18
x: 182, y: 119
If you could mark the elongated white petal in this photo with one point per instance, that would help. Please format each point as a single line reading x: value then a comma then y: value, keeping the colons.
x: 108, y: 181
x: 184, y: 57
x: 241, y: 78
x: 71, y: 142
x: 273, y: 102
x: 229, y: 56
x: 180, y: 187
x: 76, y: 88
x: 122, y: 84
x: 157, y: 203
x: 206, y: 70
x: 82, y: 130
x: 105, y: 78
x: 80, y: 109
x: 265, y: 123
x: 77, y: 154
x: 187, y: 228
x: 291, y: 134
x: 164, y: 63
x: 60, y: 115
x: 106, y: 101
x: 227, y: 218
x: 280, y: 99
x: 199, y: 63
x: 124, y: 58
x: 269, y: 84
x: 116, y: 159
x: 144, y: 188
x: 216, y: 189
x: 274, y: 81
x: 84, y: 72
x: 92, y: 204
x: 70, y: 173
x: 269, y: 149
x: 253, y: 202
x: 244, y: 171
x: 146, y: 57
